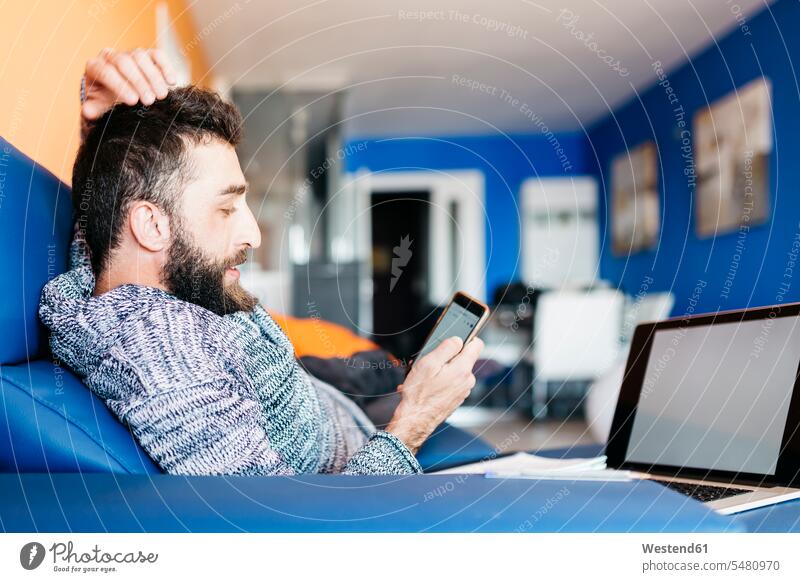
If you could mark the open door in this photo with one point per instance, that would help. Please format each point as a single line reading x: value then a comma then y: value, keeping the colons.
x: 400, y: 254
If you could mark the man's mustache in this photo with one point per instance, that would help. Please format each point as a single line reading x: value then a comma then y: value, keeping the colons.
x: 237, y: 259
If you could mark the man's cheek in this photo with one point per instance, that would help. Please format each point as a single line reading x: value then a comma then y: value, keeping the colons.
x: 216, y: 250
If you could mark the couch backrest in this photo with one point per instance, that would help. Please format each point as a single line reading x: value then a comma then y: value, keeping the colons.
x: 49, y: 421
x: 35, y: 230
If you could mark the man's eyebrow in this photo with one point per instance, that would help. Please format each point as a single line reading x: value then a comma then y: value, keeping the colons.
x: 234, y: 189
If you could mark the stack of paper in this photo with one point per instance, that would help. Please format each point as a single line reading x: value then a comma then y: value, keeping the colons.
x: 528, y: 466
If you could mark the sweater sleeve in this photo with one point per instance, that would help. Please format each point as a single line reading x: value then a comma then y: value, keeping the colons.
x: 383, y: 454
x: 204, y: 429
x: 209, y: 429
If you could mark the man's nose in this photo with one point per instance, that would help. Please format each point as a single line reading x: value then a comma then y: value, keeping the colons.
x: 252, y: 232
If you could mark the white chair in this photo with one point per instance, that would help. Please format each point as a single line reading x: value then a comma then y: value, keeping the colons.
x: 601, y: 399
x: 576, y: 337
x: 647, y: 307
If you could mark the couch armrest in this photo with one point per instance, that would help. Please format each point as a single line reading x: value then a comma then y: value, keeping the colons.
x: 449, y: 446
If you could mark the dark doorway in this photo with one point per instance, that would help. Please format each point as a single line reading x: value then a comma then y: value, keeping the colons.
x: 400, y: 270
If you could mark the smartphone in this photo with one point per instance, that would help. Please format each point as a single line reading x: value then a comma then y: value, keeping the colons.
x: 463, y: 317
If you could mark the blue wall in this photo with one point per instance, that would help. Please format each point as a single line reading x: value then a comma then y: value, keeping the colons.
x: 506, y: 161
x: 732, y: 270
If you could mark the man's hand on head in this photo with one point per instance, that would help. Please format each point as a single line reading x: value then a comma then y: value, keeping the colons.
x: 138, y: 76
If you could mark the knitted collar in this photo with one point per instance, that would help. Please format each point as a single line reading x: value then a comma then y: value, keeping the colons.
x: 93, y: 324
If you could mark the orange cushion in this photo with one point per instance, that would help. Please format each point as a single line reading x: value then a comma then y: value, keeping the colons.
x: 317, y: 337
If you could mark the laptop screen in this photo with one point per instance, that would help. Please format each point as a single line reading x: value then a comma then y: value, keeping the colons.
x: 717, y: 396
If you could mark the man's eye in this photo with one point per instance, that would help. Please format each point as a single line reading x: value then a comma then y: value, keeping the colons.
x: 228, y: 211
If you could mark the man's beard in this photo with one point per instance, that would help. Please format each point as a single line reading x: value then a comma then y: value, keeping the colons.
x: 191, y: 276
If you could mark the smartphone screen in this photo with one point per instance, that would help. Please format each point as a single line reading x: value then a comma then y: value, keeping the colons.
x: 458, y: 320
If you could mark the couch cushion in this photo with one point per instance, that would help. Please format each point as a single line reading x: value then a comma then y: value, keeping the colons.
x: 50, y: 422
x: 35, y: 230
x: 449, y: 446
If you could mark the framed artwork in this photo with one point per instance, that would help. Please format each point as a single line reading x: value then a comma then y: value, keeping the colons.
x: 636, y: 215
x: 732, y: 145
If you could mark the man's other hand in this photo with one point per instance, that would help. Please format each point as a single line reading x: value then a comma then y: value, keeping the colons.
x: 125, y: 77
x: 436, y: 385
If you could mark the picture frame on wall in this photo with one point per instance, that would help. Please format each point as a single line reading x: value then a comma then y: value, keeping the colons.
x: 635, y: 216
x: 733, y: 144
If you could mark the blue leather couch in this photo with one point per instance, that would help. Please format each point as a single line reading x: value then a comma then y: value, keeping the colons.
x: 67, y: 464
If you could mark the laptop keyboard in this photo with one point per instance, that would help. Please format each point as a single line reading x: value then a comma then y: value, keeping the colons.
x: 702, y: 492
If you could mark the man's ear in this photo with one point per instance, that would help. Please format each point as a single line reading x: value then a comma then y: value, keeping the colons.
x: 149, y: 225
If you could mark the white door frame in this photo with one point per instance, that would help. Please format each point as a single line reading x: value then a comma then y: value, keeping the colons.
x: 466, y: 188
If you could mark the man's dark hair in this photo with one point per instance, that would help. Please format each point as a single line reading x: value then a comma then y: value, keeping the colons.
x: 139, y: 153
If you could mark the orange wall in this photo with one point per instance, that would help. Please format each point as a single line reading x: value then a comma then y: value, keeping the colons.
x: 46, y: 45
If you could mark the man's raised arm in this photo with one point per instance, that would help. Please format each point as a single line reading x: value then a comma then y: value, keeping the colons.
x: 138, y: 76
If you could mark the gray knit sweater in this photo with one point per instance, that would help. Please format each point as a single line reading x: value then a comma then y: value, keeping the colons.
x: 210, y: 395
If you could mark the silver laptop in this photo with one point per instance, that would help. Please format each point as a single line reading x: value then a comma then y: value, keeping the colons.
x: 710, y: 407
